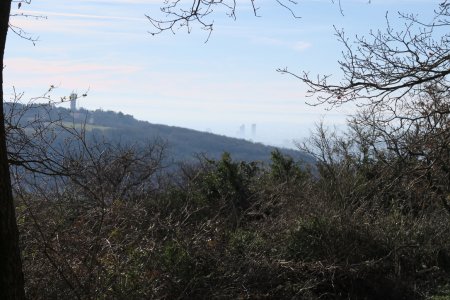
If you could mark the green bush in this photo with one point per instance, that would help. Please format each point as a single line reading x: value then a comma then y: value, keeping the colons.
x: 334, y: 240
x: 226, y: 230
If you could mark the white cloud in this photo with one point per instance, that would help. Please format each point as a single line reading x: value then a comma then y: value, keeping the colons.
x: 27, y: 72
x: 75, y: 15
x: 300, y: 46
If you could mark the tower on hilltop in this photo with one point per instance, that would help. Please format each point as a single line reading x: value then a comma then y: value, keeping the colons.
x: 73, y: 102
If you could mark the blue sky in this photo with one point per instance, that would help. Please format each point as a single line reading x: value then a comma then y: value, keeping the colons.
x: 104, y: 46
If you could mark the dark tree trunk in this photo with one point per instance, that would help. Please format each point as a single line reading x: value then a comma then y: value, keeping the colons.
x: 11, y: 276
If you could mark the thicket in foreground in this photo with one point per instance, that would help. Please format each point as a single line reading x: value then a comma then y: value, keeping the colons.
x: 117, y: 227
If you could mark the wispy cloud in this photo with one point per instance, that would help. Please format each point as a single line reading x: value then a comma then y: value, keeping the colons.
x: 76, y: 15
x: 83, y: 27
x: 28, y: 65
x: 27, y: 72
x: 300, y: 46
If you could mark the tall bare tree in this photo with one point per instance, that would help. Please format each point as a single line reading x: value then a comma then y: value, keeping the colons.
x: 11, y: 276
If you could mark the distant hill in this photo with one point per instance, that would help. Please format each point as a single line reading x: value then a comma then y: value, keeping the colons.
x: 183, y: 144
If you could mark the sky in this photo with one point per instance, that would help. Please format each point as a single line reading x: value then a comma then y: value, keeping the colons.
x: 104, y: 47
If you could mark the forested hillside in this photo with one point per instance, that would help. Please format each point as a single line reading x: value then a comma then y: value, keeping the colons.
x: 182, y: 144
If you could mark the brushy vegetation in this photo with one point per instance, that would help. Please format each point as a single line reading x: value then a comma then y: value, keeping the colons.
x: 121, y: 228
x: 370, y: 219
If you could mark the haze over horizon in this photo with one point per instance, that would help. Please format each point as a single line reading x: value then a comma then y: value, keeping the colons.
x: 180, y: 80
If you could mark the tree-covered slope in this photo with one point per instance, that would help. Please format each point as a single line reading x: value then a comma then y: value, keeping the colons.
x: 182, y: 143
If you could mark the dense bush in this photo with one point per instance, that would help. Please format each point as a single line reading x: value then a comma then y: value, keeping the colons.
x: 226, y: 229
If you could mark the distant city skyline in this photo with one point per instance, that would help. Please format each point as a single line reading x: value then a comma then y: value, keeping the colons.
x: 104, y: 47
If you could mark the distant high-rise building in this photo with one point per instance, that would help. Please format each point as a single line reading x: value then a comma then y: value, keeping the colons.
x: 242, y: 130
x: 253, y: 131
x: 73, y: 102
